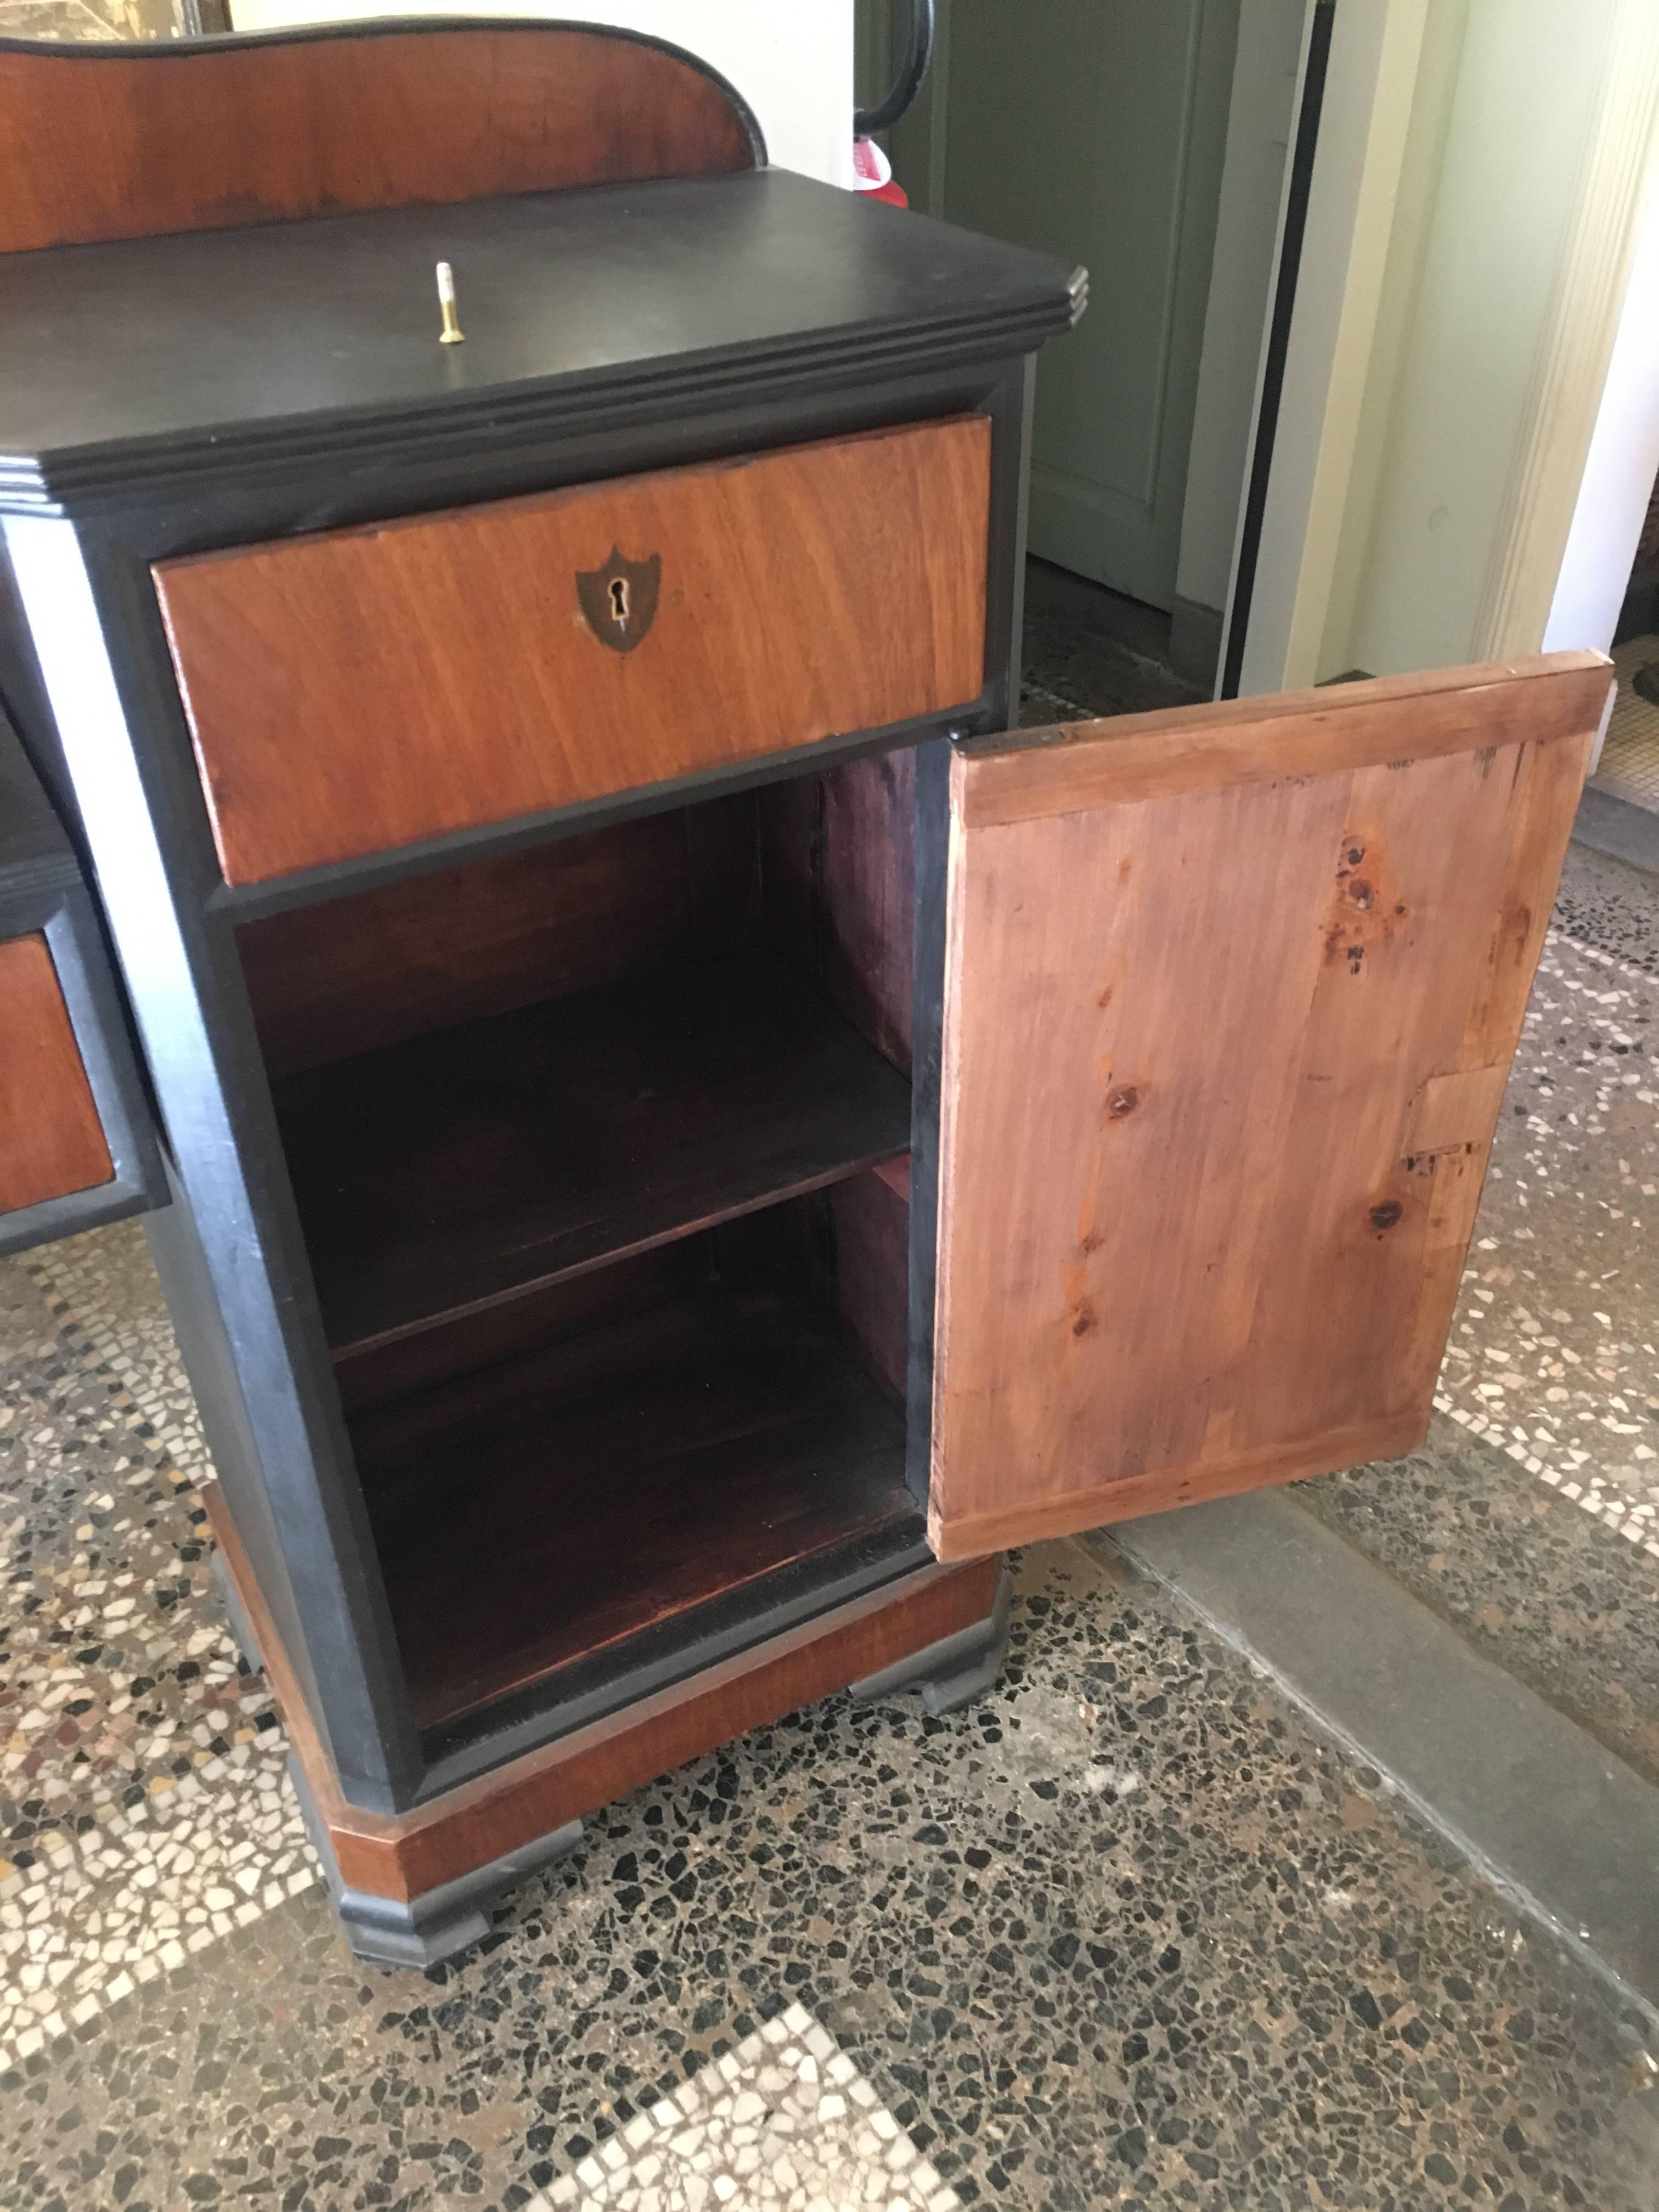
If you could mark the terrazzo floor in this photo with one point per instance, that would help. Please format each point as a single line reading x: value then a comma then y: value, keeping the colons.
x: 82, y: 20
x: 1129, y: 1933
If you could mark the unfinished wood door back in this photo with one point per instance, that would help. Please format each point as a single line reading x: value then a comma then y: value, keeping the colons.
x: 1231, y: 997
x: 112, y: 141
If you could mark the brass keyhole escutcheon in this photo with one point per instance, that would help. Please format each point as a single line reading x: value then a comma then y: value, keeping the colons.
x: 619, y: 601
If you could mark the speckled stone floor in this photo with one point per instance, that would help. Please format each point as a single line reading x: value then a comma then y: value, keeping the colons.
x: 81, y: 19
x: 1533, y: 1529
x: 1129, y: 1933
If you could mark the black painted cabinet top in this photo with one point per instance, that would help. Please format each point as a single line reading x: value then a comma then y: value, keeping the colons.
x: 178, y: 361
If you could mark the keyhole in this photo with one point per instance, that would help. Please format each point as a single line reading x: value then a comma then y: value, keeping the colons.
x: 619, y: 601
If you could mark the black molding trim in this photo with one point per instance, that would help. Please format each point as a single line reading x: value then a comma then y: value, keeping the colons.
x: 425, y: 435
x: 338, y: 879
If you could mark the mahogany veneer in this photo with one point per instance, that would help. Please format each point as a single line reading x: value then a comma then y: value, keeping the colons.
x: 117, y: 142
x: 52, y: 1142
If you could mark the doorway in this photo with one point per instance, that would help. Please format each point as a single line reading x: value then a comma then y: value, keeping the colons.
x: 1149, y: 144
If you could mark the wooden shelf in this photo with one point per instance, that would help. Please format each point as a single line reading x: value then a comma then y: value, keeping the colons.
x: 539, y: 1511
x: 442, y: 1175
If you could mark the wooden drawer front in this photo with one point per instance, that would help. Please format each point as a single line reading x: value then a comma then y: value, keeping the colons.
x: 363, y: 689
x: 52, y: 1142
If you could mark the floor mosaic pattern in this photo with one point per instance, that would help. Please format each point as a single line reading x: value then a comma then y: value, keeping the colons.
x: 1554, y: 1355
x: 1126, y: 1935
x: 786, y: 2119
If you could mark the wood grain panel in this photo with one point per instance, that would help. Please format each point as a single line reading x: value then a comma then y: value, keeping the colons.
x: 52, y: 1142
x: 870, y: 1226
x: 1199, y: 1017
x: 838, y: 855
x: 99, y: 142
x: 405, y: 1856
x: 536, y: 1513
x: 1032, y: 773
x: 349, y: 976
x: 358, y: 690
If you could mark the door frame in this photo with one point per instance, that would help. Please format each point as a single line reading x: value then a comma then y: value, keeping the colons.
x: 1314, y: 430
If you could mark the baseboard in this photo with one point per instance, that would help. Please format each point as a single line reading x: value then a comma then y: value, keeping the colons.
x: 1195, y: 642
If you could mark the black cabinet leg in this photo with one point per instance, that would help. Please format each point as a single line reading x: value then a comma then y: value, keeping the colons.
x: 387, y: 1931
x: 953, y: 1672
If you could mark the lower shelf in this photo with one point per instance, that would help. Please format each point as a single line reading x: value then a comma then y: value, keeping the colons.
x: 533, y: 1515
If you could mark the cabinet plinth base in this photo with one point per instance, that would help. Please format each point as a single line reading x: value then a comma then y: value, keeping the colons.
x: 423, y: 1931
x: 412, y: 1889
x: 953, y: 1672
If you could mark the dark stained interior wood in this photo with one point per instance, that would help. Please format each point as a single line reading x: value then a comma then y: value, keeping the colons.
x: 838, y: 867
x: 868, y: 1226
x: 353, y: 973
x: 537, y: 1513
x: 113, y: 141
x: 570, y: 1431
x: 475, y: 1163
x: 397, y: 1366
x: 52, y: 1142
x: 362, y: 690
x: 1231, y: 998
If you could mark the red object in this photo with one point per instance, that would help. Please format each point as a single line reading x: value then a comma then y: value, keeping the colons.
x: 872, y: 173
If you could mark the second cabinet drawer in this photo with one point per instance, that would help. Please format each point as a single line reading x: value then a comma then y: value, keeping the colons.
x: 364, y: 688
x: 52, y: 1142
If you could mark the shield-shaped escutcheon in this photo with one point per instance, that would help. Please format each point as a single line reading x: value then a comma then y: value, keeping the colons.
x: 620, y: 600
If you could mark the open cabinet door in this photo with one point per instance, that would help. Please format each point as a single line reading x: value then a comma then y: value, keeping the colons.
x: 1231, y: 995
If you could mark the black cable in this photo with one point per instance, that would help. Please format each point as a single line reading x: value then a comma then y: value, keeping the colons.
x: 867, y: 121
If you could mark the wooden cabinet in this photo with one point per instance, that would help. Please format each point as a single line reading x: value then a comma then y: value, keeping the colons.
x: 686, y: 1143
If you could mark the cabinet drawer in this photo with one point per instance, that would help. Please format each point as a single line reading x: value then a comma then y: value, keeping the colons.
x: 52, y: 1142
x: 363, y: 689
x: 76, y: 1143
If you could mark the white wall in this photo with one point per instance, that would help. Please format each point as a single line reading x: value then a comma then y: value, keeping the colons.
x: 1523, y: 108
x: 1260, y: 119
x: 791, y: 59
x: 1531, y: 132
x: 1365, y: 125
x: 1624, y: 460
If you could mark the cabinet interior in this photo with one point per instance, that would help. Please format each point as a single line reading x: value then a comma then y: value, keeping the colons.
x: 600, y: 1153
